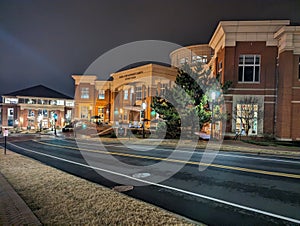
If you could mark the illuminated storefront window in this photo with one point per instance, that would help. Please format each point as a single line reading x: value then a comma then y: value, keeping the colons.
x: 246, y: 118
x: 10, y: 116
x: 101, y: 95
x: 84, y: 111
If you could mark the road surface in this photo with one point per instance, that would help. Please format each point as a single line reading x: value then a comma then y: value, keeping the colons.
x: 236, y: 189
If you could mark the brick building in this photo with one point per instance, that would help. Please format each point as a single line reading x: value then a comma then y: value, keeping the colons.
x: 35, y: 108
x: 121, y: 98
x: 261, y: 58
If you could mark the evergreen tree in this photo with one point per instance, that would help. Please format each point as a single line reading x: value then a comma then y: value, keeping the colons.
x: 187, y: 98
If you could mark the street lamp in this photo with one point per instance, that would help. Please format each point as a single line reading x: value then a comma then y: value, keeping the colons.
x: 213, y: 98
x: 144, y: 105
x: 55, y: 120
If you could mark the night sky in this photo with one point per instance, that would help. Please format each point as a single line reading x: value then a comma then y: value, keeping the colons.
x: 46, y: 41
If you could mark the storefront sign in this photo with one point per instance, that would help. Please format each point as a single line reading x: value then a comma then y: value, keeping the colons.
x: 130, y: 76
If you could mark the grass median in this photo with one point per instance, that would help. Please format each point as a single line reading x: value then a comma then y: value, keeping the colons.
x: 59, y: 198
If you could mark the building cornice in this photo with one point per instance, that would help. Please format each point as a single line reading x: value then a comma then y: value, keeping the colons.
x: 288, y: 39
x: 228, y: 33
x: 84, y: 79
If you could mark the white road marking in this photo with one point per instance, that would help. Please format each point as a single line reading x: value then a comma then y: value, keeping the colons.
x: 201, y: 153
x: 169, y: 187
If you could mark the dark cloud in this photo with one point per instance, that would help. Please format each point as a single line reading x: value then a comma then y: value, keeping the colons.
x: 44, y: 42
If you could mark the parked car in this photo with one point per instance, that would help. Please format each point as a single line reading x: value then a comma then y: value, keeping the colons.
x: 68, y: 128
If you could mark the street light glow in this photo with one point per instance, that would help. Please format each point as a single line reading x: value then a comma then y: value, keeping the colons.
x: 213, y: 95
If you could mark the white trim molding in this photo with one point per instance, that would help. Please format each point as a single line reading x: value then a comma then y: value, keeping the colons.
x: 250, y: 89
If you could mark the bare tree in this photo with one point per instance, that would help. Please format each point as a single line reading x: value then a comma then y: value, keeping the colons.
x: 247, y: 113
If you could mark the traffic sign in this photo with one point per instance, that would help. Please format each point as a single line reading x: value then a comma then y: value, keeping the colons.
x: 5, y: 134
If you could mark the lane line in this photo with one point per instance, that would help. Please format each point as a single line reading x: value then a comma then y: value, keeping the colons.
x: 235, y: 168
x: 201, y: 153
x: 169, y: 187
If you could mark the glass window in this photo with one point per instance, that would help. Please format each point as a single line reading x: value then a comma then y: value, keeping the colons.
x: 131, y: 93
x: 125, y: 94
x: 60, y: 102
x: 101, y: 94
x: 85, y: 93
x: 163, y: 87
x: 11, y: 100
x: 138, y: 92
x: 201, y: 59
x: 249, y: 68
x: 84, y: 112
x: 45, y: 102
x: 69, y: 115
x: 184, y: 60
x: 10, y: 116
x: 53, y: 102
x: 70, y: 103
x: 247, y: 117
x: 30, y: 113
x: 33, y: 101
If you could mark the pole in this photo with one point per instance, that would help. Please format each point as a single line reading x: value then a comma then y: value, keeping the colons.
x: 55, y: 127
x: 212, y: 120
x: 144, y: 128
x: 5, y: 145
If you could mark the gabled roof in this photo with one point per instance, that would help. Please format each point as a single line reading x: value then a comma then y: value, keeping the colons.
x: 39, y: 91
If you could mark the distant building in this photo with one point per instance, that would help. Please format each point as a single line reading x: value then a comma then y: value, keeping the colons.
x: 261, y: 58
x: 120, y: 99
x: 35, y: 108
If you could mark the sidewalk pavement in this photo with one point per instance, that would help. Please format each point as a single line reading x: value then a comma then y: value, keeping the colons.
x: 13, y: 209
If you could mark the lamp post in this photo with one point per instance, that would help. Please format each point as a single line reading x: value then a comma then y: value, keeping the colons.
x: 213, y: 98
x: 55, y: 120
x: 144, y: 105
x: 40, y: 117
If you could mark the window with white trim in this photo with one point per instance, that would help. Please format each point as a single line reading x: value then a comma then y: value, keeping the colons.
x: 249, y: 68
x: 202, y: 59
x: 60, y: 102
x: 138, y: 92
x: 101, y: 94
x: 126, y: 94
x: 85, y: 93
x: 163, y: 87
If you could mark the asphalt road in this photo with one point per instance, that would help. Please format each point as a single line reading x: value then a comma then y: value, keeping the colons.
x: 236, y: 189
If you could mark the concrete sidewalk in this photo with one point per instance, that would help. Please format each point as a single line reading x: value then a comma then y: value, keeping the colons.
x: 13, y: 210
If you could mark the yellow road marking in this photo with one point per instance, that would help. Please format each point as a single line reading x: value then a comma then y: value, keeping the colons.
x: 180, y: 161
